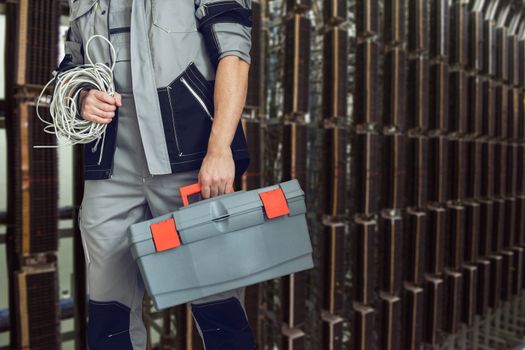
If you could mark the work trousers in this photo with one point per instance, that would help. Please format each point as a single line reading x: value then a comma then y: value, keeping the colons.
x: 115, y: 286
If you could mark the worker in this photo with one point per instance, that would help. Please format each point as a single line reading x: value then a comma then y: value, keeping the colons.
x: 180, y: 78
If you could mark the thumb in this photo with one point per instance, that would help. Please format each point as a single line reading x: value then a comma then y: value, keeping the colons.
x: 118, y: 99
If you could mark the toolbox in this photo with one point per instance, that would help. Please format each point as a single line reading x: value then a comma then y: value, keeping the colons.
x: 222, y: 243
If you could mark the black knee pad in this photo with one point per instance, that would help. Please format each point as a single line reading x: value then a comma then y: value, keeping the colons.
x: 108, y: 326
x: 224, y: 325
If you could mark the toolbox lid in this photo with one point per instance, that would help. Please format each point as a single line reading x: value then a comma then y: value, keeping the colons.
x: 238, y: 203
x: 217, y: 215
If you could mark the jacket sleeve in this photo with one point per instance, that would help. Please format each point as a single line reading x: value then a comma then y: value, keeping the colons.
x: 73, y: 57
x: 226, y: 27
x: 74, y: 54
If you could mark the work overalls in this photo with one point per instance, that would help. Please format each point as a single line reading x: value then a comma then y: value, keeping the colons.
x: 132, y: 194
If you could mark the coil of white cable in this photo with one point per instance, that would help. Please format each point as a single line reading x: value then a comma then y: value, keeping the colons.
x: 63, y: 110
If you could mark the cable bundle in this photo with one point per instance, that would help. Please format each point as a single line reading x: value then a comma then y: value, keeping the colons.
x: 63, y: 106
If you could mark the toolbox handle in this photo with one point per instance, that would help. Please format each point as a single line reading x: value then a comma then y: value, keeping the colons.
x: 190, y: 190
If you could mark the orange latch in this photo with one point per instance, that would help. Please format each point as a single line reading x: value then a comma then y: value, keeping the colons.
x: 165, y: 235
x: 274, y: 202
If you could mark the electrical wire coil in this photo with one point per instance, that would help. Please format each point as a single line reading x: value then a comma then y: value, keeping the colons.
x: 63, y: 109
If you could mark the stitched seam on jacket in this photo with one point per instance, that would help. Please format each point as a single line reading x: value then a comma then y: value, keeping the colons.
x: 197, y: 85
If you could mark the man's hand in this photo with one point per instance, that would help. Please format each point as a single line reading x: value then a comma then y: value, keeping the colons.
x: 98, y: 106
x: 217, y: 172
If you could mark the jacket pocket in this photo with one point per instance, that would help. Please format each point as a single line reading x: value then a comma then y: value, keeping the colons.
x: 174, y: 16
x: 98, y: 158
x: 187, y: 113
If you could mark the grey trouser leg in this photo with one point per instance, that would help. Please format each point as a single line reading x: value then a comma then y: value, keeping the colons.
x: 115, y: 286
x: 221, y: 319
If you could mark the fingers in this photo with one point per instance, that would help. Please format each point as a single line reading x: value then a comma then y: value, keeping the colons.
x: 205, y: 186
x: 104, y: 97
x: 214, y: 188
x: 211, y: 187
x: 217, y: 174
x: 102, y: 113
x: 95, y: 118
x: 98, y: 110
x: 118, y: 99
x: 224, y: 186
x: 100, y: 107
x: 229, y: 186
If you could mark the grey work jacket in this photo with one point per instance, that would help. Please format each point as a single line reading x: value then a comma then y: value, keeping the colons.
x: 175, y: 49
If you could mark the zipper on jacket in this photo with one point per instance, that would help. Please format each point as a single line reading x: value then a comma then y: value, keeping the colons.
x: 201, y: 102
x: 110, y: 175
x: 108, y: 36
x: 173, y: 117
x: 113, y: 151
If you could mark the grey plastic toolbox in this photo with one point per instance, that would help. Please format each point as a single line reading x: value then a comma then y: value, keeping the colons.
x: 223, y: 243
